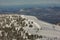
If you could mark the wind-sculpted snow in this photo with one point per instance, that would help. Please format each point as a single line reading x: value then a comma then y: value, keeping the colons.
x: 23, y: 27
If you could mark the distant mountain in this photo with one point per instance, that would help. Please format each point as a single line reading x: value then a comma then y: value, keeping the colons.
x: 49, y: 14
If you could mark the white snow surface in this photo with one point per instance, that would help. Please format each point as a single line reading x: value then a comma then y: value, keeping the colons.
x: 39, y: 27
x: 45, y: 29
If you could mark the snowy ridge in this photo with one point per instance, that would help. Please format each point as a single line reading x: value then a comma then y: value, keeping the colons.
x: 29, y: 27
x: 45, y: 29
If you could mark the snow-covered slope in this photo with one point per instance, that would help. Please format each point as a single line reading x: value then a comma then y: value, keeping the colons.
x: 45, y: 29
x: 27, y: 27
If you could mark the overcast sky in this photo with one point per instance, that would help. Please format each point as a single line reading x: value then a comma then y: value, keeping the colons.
x: 27, y: 2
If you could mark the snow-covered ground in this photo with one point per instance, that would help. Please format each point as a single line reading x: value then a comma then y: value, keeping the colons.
x: 45, y: 29
x: 37, y: 27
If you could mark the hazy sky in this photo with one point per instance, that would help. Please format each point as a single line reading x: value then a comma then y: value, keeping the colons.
x: 27, y: 2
